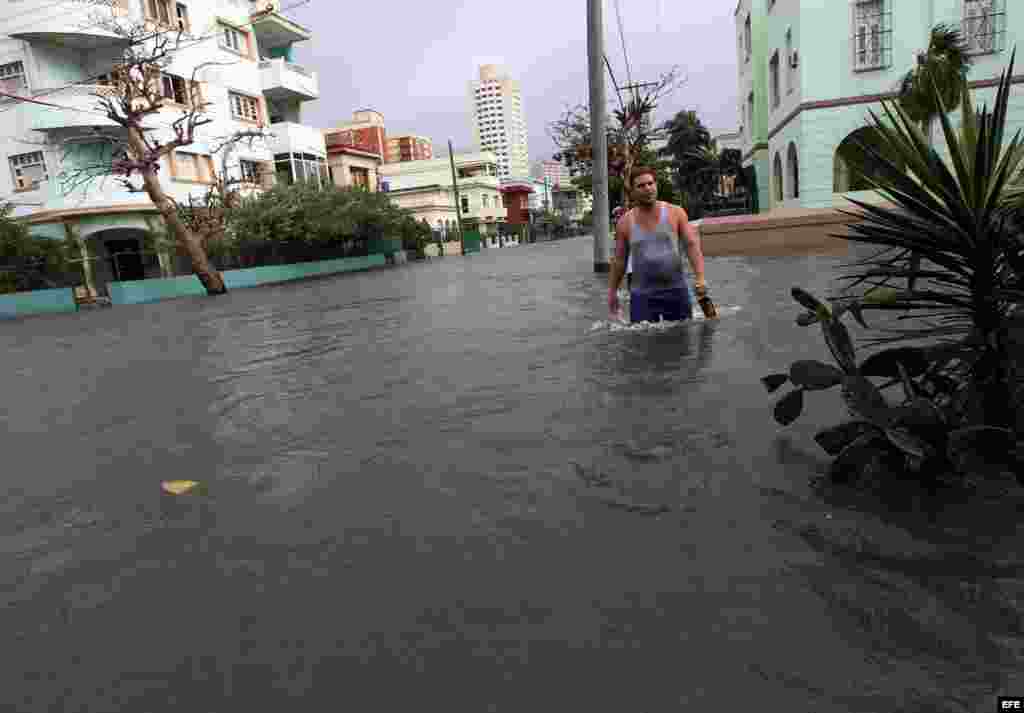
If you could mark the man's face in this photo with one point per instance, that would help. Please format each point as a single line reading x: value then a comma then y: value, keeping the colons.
x: 645, y: 189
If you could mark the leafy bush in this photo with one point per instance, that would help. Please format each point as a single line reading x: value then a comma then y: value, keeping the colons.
x: 952, y: 259
x: 304, y: 215
x: 28, y: 263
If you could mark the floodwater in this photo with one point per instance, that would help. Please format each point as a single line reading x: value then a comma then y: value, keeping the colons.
x: 453, y: 485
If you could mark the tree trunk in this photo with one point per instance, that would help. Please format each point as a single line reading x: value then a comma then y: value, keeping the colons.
x: 208, y: 276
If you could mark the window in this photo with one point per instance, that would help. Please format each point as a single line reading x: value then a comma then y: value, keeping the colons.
x: 793, y: 171
x: 181, y: 14
x: 465, y: 204
x: 777, y: 177
x: 174, y: 88
x: 790, y: 69
x: 244, y: 108
x: 234, y: 40
x: 28, y: 170
x: 249, y: 171
x: 159, y: 11
x: 12, y: 77
x: 871, y: 35
x: 197, y: 168
x: 984, y: 25
x: 773, y: 75
x: 360, y: 177
x: 747, y: 41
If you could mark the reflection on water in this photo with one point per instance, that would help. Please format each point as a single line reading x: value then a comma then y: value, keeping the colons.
x: 456, y: 481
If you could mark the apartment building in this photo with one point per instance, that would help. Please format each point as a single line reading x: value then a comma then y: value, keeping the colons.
x: 816, y: 69
x: 56, y: 60
x: 498, y: 120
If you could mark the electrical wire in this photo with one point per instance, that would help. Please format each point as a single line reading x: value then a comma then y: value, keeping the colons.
x: 622, y: 39
x: 618, y: 92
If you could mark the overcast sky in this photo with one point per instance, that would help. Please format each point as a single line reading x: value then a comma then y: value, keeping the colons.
x: 412, y: 61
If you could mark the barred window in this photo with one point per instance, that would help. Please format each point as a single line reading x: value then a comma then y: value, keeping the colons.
x: 244, y: 107
x: 984, y: 25
x: 28, y: 170
x: 872, y: 34
x: 12, y: 77
x: 249, y: 170
x: 773, y: 77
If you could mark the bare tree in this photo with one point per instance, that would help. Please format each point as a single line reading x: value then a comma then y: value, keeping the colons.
x: 628, y: 135
x: 133, y: 95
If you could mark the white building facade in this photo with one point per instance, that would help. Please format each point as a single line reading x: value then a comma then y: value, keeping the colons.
x: 826, y: 65
x: 55, y: 62
x: 425, y: 188
x: 499, y: 121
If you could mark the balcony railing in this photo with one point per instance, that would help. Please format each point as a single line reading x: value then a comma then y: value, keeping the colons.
x: 286, y: 80
x: 77, y: 24
x: 77, y: 105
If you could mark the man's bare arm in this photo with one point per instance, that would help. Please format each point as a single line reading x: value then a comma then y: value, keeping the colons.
x: 693, y: 248
x: 618, y: 268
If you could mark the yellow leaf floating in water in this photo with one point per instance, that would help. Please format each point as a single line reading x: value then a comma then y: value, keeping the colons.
x: 178, y: 487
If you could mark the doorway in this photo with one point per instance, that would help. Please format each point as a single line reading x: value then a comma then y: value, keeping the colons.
x: 125, y: 259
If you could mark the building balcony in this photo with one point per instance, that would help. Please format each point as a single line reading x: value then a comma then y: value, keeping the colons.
x: 296, y: 138
x: 282, y: 80
x: 72, y: 23
x: 74, y: 106
x: 274, y: 30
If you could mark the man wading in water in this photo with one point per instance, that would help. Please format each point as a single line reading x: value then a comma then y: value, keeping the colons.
x: 649, y: 235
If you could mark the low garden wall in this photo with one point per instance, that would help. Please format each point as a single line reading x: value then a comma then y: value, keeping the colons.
x: 20, y: 304
x: 23, y: 304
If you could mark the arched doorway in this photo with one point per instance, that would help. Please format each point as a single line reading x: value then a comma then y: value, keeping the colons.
x: 793, y: 171
x: 853, y: 166
x: 777, y: 178
x: 120, y: 256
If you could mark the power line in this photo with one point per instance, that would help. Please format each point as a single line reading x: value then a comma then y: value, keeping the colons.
x: 618, y: 92
x: 622, y: 39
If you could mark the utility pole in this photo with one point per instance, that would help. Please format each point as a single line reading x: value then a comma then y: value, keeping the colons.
x: 458, y: 205
x: 598, y: 134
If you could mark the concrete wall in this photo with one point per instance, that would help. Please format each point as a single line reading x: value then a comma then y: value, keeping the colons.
x: 787, y: 232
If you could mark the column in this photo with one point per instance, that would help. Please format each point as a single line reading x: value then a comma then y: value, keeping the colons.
x: 83, y: 248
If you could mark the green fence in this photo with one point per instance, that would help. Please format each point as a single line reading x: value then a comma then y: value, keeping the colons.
x: 21, y: 304
x: 145, y: 291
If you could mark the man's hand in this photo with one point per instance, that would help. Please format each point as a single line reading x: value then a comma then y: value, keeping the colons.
x: 701, y: 290
x: 613, y: 302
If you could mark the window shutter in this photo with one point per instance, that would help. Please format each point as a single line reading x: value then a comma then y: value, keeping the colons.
x: 267, y: 174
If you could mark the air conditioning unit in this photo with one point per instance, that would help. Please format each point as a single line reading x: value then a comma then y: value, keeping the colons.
x: 794, y: 59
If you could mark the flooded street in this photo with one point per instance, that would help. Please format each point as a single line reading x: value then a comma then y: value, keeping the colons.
x: 451, y: 484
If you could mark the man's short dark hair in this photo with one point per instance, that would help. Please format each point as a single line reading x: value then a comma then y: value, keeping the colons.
x: 641, y: 171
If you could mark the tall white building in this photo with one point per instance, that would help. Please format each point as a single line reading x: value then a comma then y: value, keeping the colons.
x: 56, y: 61
x: 499, y: 123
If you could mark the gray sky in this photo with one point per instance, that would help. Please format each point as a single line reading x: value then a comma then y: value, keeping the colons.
x: 411, y: 61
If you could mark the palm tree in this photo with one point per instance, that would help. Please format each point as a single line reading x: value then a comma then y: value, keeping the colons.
x: 943, y: 67
x: 691, y: 149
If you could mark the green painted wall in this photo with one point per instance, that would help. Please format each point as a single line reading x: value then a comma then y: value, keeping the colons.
x: 144, y: 291
x: 822, y: 34
x: 22, y: 304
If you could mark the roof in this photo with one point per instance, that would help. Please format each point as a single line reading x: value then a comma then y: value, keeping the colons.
x: 354, y: 150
